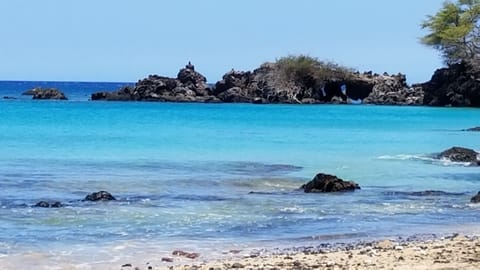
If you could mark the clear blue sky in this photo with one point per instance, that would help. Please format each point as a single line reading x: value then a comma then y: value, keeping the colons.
x: 125, y: 40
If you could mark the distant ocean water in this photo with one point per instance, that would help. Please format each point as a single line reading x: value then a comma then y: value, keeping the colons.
x: 210, y: 176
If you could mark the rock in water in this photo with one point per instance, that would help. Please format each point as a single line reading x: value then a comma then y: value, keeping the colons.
x: 476, y: 198
x: 45, y: 204
x: 460, y: 154
x: 46, y: 93
x: 99, y: 196
x: 472, y: 129
x: 328, y: 183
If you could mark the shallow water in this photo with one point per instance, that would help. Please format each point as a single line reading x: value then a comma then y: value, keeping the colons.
x: 214, y: 176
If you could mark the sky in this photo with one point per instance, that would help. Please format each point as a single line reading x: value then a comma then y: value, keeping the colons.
x: 126, y: 40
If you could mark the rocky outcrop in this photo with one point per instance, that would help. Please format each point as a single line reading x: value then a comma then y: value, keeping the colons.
x: 460, y: 154
x: 476, y: 198
x: 99, y: 196
x: 393, y: 90
x: 45, y: 93
x: 457, y: 86
x: 267, y: 84
x: 328, y: 183
x: 189, y: 86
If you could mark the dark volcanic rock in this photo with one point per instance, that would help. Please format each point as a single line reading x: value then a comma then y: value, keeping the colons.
x: 328, y: 183
x: 458, y: 86
x: 269, y: 84
x: 45, y: 204
x: 99, y: 196
x: 472, y: 129
x: 393, y: 90
x: 233, y: 79
x: 189, y: 86
x: 460, y: 154
x: 30, y: 92
x: 476, y: 198
x: 46, y: 93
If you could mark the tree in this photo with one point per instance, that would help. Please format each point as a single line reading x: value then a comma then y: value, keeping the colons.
x: 455, y: 31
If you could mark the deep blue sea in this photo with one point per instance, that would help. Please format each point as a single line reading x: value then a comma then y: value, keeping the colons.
x: 212, y: 177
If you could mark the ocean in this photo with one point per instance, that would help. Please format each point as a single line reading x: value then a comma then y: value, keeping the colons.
x: 214, y: 177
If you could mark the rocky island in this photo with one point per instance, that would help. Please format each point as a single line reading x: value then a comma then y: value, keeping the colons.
x: 306, y: 80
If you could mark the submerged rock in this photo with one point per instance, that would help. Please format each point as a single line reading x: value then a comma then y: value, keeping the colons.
x: 99, y: 196
x: 45, y: 204
x: 45, y: 93
x: 328, y: 183
x: 189, y: 255
x: 460, y: 154
x: 427, y: 193
x: 476, y: 198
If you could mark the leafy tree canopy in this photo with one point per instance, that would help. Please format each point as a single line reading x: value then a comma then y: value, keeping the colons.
x: 455, y: 31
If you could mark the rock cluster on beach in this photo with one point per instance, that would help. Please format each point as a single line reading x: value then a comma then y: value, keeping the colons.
x: 45, y: 93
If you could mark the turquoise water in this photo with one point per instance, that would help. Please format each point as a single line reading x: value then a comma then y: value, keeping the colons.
x: 215, y: 175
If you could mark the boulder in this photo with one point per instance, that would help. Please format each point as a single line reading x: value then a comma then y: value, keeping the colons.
x: 233, y: 79
x: 46, y: 93
x: 460, y: 154
x: 476, y: 198
x: 99, y: 196
x: 45, y: 204
x: 328, y: 183
x: 235, y: 94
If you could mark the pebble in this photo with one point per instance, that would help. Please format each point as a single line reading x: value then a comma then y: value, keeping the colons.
x: 189, y: 255
x: 237, y: 265
x: 398, y: 248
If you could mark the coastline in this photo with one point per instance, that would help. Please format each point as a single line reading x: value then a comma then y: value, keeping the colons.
x: 455, y: 251
x: 418, y: 251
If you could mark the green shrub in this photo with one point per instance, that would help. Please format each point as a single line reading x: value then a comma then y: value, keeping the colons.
x: 307, y: 70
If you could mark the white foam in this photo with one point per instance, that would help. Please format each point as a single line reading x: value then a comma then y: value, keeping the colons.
x: 424, y: 158
x: 295, y: 210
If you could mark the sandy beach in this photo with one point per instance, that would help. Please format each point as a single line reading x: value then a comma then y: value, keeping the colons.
x: 453, y: 252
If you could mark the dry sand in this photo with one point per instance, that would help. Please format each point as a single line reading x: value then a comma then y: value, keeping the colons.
x: 455, y: 252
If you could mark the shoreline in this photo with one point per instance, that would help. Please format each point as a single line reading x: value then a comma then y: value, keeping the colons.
x: 455, y: 251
